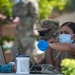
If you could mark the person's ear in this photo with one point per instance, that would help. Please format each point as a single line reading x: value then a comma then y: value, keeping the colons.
x: 73, y: 36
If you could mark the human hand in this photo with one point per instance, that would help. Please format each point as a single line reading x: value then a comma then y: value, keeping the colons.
x: 48, y: 51
x: 51, y: 40
x: 42, y: 45
x: 16, y: 20
x: 13, y: 66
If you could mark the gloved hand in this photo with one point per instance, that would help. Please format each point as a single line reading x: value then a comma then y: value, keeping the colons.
x: 42, y: 45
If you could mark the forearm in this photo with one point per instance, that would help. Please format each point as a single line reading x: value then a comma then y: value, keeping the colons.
x: 60, y: 46
x: 48, y: 57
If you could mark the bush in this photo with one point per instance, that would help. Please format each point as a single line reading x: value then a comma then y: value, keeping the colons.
x: 6, y: 7
x: 68, y: 66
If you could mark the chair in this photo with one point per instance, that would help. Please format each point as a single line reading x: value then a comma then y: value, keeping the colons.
x: 2, y: 57
x: 14, y: 51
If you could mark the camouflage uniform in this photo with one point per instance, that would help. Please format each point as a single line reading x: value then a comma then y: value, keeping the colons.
x: 49, y: 29
x: 27, y: 11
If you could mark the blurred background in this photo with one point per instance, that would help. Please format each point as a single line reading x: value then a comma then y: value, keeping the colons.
x: 62, y: 10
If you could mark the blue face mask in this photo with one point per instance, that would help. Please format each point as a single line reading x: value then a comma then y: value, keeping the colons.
x: 65, y: 38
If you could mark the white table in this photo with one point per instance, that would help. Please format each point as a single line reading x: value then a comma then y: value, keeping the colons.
x: 26, y: 74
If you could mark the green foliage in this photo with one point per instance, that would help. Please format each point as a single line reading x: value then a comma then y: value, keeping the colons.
x: 6, y: 7
x: 8, y: 38
x: 46, y: 7
x: 70, y: 6
x: 68, y: 66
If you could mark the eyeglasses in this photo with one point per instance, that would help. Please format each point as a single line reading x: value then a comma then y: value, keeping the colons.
x: 41, y: 33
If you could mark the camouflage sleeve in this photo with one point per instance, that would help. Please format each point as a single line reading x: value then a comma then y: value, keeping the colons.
x: 32, y: 12
x: 13, y: 12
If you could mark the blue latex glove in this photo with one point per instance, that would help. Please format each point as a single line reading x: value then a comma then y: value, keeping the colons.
x: 42, y: 45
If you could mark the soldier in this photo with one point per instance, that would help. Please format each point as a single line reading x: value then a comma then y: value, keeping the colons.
x: 26, y: 12
x: 48, y: 31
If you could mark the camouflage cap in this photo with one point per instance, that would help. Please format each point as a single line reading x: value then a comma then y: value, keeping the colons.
x: 47, y: 24
x: 48, y: 29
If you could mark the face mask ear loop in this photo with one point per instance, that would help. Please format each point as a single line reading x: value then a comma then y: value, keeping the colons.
x: 73, y: 36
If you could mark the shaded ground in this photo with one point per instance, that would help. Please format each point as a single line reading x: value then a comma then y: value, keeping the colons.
x: 67, y: 17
